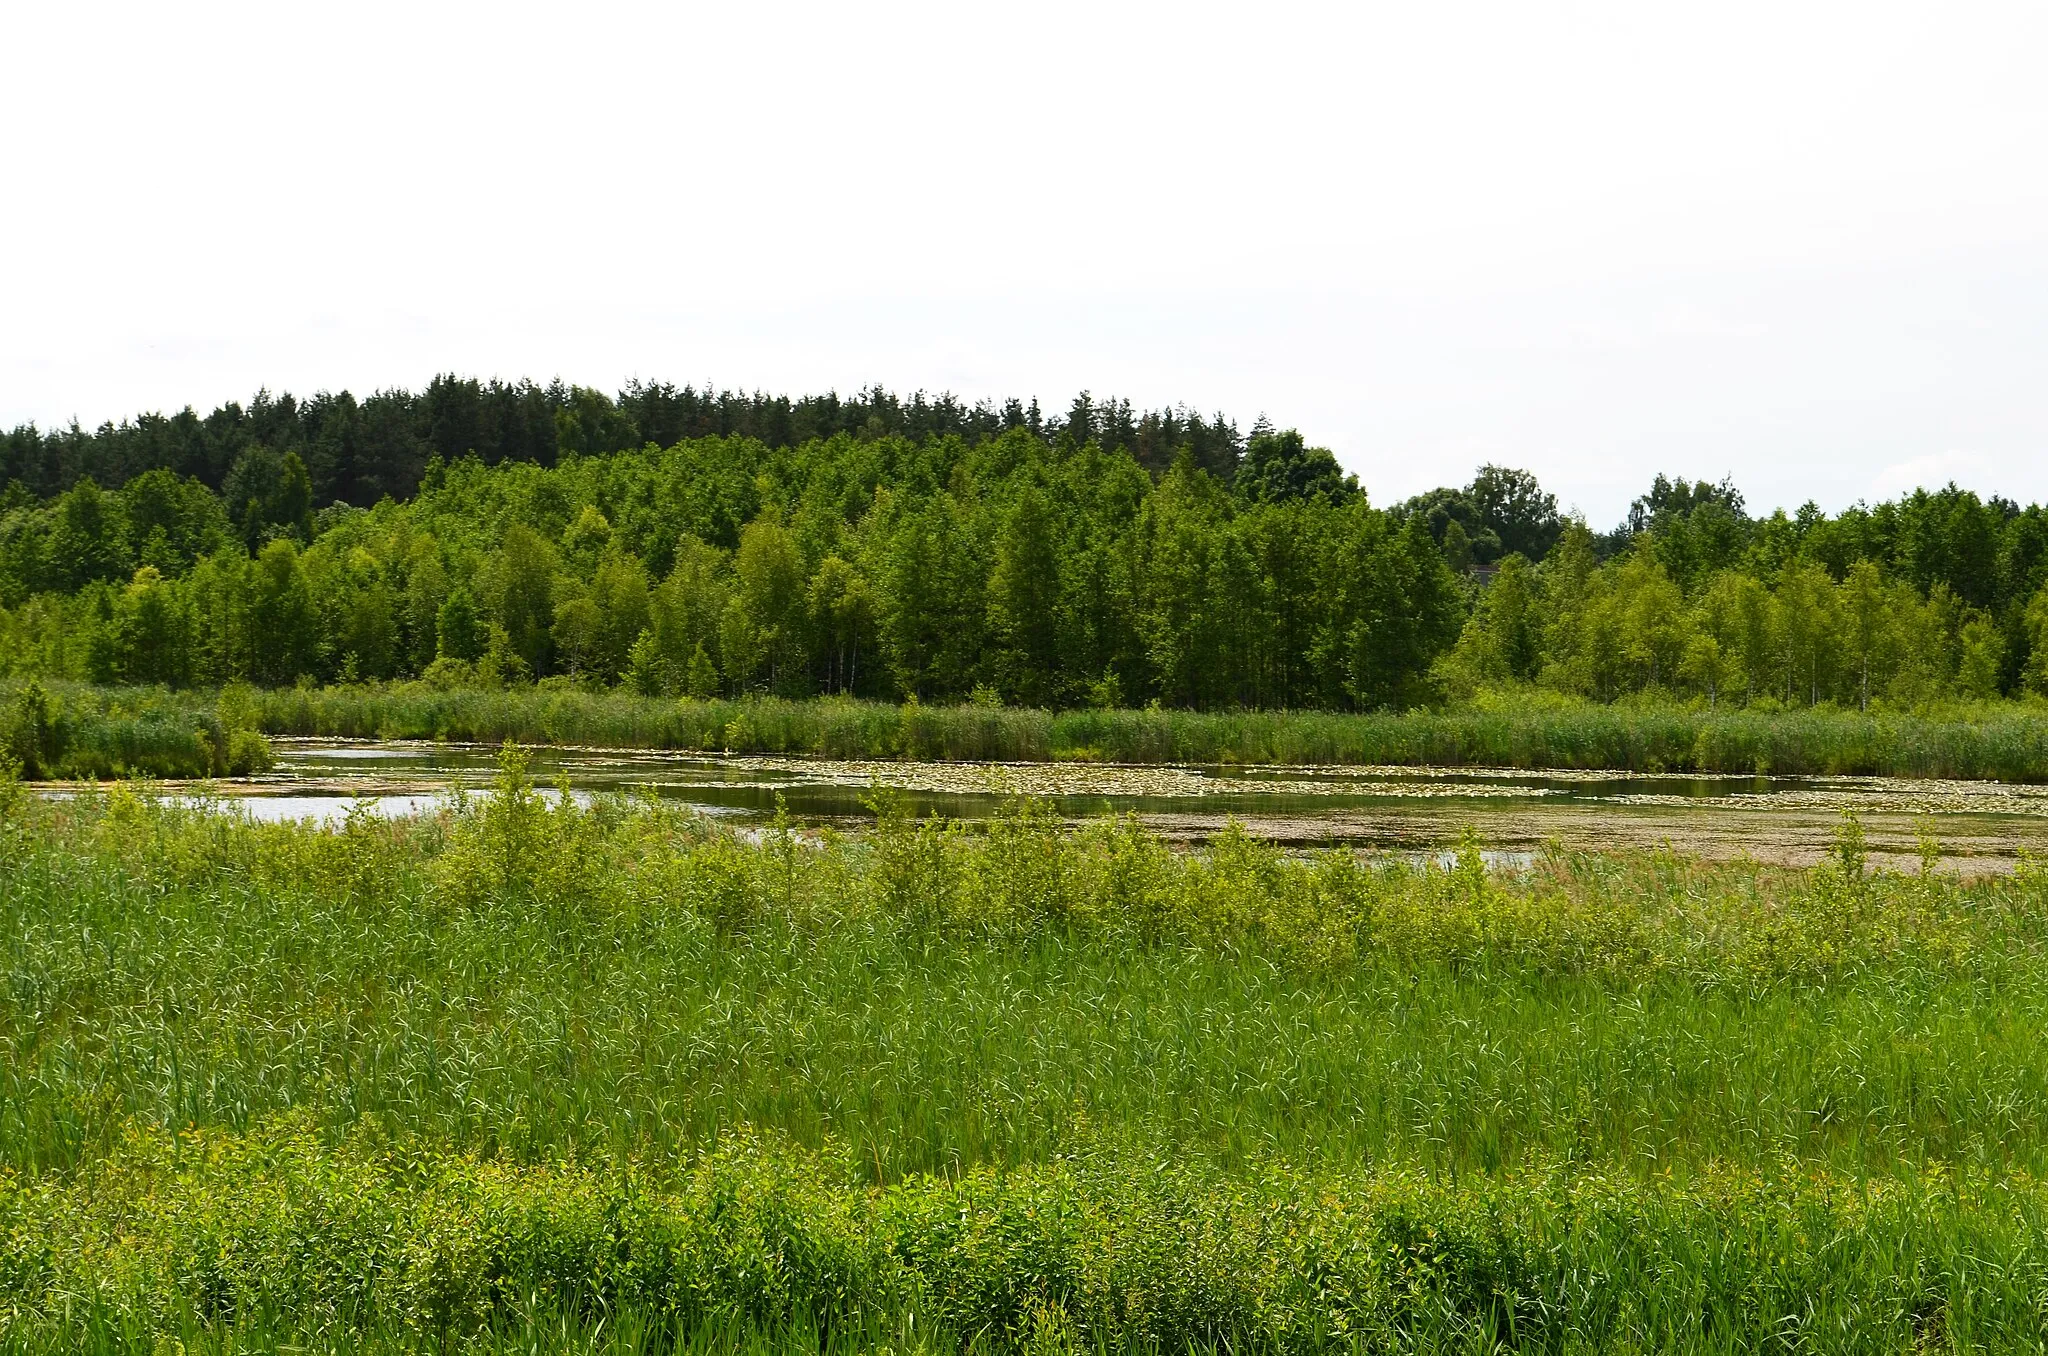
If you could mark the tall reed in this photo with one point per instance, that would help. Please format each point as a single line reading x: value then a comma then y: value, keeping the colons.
x: 73, y: 731
x: 2008, y: 741
x: 180, y: 734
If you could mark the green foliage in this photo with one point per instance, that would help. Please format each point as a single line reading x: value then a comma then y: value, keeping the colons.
x: 457, y: 632
x: 2004, y: 741
x: 87, y: 538
x: 284, y: 642
x: 1502, y: 641
x: 1110, y: 1249
x: 77, y: 732
x: 1279, y: 466
x: 1031, y: 563
x: 525, y: 590
x: 269, y: 495
x: 1503, y: 512
x: 33, y: 742
x: 525, y: 1069
x: 937, y: 550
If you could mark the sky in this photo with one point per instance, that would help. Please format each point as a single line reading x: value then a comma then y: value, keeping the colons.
x: 1798, y: 245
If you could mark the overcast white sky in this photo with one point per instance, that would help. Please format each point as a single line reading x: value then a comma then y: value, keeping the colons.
x: 1802, y: 245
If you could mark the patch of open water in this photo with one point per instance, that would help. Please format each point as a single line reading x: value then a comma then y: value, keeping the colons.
x: 1981, y: 825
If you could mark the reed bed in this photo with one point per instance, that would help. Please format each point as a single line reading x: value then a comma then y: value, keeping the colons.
x: 157, y: 732
x: 87, y: 733
x: 2003, y: 740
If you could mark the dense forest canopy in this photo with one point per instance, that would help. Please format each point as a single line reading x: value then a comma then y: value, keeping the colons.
x: 357, y: 452
x: 703, y: 542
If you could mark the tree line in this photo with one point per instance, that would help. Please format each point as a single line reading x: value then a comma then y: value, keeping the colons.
x: 359, y: 451
x: 1032, y: 561
x: 1935, y: 594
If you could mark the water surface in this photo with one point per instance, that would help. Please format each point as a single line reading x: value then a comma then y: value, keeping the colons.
x: 1980, y: 825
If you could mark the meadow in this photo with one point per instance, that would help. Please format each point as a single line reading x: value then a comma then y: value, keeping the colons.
x: 78, y: 730
x: 534, y: 1076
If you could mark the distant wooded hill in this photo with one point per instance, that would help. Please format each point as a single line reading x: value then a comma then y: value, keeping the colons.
x: 715, y: 543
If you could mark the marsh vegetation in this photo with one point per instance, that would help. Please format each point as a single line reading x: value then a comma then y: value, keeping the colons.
x: 55, y: 729
x: 533, y: 1073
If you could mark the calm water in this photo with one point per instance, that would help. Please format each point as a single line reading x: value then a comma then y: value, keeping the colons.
x: 1981, y: 825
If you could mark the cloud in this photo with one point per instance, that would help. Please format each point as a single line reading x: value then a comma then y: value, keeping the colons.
x: 1931, y: 472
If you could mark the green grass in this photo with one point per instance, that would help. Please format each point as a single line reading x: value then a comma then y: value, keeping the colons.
x: 156, y: 732
x: 2005, y: 740
x: 539, y: 1078
x: 98, y: 732
x: 85, y: 733
x: 1106, y: 1249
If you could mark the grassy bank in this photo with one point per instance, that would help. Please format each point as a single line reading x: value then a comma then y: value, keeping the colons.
x: 72, y: 731
x: 532, y: 1076
x: 2003, y: 740
x: 2008, y: 741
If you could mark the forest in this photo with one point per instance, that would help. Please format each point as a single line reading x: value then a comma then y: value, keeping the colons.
x: 672, y: 541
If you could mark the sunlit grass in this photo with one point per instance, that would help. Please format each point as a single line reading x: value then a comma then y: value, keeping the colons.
x: 2007, y: 740
x: 548, y: 1078
x: 143, y: 731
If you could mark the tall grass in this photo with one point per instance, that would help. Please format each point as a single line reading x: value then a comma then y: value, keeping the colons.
x: 159, y: 733
x: 2008, y: 741
x: 1106, y: 1250
x: 538, y: 978
x: 527, y: 1072
x: 83, y: 732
